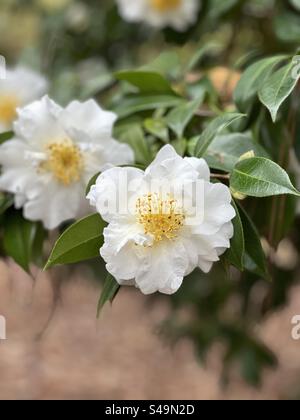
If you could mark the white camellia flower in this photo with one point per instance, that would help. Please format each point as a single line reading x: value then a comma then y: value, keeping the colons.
x: 54, y: 154
x: 168, y: 230
x: 179, y: 14
x: 20, y: 87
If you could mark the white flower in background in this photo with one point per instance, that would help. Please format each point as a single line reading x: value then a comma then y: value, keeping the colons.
x: 20, y: 87
x: 179, y: 14
x: 161, y: 238
x: 53, y: 155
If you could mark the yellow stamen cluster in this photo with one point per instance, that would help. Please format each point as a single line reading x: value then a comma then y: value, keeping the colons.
x: 8, y: 108
x: 160, y: 218
x: 65, y: 161
x: 164, y: 6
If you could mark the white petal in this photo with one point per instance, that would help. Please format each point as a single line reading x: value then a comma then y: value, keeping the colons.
x: 90, y: 118
x: 132, y: 10
x: 166, y: 266
x: 171, y: 170
x: 18, y: 175
x: 120, y: 252
x: 114, y: 191
x: 38, y: 123
x: 165, y: 153
x: 217, y: 209
x: 205, y: 265
x: 179, y: 18
x: 24, y: 83
x: 55, y: 205
x: 118, y: 153
x: 201, y: 167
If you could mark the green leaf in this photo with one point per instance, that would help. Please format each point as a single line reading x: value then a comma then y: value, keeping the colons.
x: 146, y: 81
x: 254, y: 258
x: 92, y: 182
x: 236, y: 253
x: 213, y: 129
x: 81, y: 241
x: 220, y: 7
x: 6, y: 201
x: 253, y: 79
x: 167, y: 64
x: 287, y: 27
x: 260, y: 177
x: 6, y: 136
x: 19, y: 238
x: 201, y: 52
x: 138, y: 103
x: 279, y: 86
x: 109, y: 291
x: 158, y: 128
x: 225, y: 150
x: 179, y: 117
x: 95, y: 85
x: 133, y: 134
x: 180, y: 145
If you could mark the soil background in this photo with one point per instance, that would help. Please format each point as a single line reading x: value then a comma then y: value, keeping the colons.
x: 120, y: 356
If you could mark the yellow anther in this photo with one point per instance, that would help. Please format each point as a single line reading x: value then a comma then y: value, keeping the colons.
x: 65, y: 161
x: 164, y: 6
x: 159, y: 217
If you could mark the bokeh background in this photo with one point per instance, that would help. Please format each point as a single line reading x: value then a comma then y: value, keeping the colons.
x: 218, y: 338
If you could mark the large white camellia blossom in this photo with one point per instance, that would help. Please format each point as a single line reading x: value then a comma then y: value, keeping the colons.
x: 162, y: 238
x: 19, y: 87
x: 54, y: 154
x: 179, y: 14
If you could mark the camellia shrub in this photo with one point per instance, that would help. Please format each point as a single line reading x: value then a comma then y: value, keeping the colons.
x: 177, y: 175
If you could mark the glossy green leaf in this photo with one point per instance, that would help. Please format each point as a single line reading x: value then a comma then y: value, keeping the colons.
x: 213, y: 129
x: 109, y: 291
x: 254, y: 259
x: 81, y: 241
x: 261, y: 177
x: 19, y: 238
x: 236, y: 253
x: 279, y: 86
x: 253, y: 79
x: 225, y: 150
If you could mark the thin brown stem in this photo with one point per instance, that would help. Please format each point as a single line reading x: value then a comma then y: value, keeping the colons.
x: 220, y: 176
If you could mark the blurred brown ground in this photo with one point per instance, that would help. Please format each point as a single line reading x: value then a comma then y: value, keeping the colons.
x: 120, y: 356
